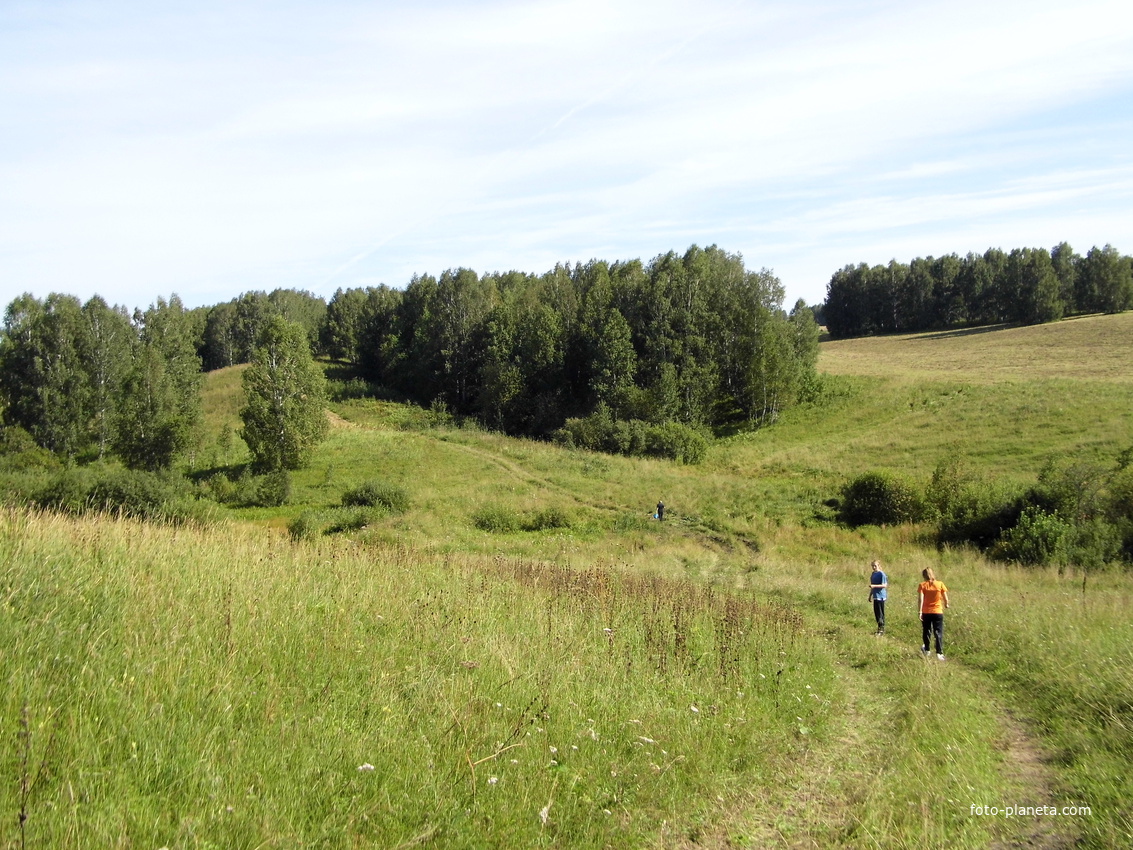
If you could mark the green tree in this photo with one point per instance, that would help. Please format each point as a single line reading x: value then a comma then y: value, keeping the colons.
x: 44, y: 372
x: 1107, y: 282
x: 615, y: 365
x: 1030, y: 275
x: 160, y: 408
x: 341, y: 334
x: 284, y: 412
x: 109, y: 347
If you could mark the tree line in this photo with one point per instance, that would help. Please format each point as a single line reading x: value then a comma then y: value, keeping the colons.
x: 90, y: 381
x: 624, y: 356
x: 696, y: 340
x: 1026, y: 286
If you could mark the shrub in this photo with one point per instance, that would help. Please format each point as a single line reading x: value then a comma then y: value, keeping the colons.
x: 677, y: 442
x: 880, y: 498
x: 599, y: 432
x: 306, y: 526
x: 496, y: 519
x: 546, y: 519
x: 19, y: 452
x: 968, y: 510
x: 377, y: 494
x: 1039, y: 538
x: 273, y: 489
x: 1094, y: 543
x: 67, y: 492
x: 351, y: 388
x: 352, y: 519
x: 134, y: 493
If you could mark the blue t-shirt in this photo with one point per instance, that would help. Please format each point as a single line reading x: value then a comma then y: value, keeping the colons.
x: 878, y: 593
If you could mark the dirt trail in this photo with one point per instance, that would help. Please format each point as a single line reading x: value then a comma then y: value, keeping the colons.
x: 834, y: 781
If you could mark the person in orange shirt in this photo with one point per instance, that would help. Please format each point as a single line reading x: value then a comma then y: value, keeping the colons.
x: 934, y: 599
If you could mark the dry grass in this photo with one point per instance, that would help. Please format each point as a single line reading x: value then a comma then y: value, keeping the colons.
x: 1096, y: 348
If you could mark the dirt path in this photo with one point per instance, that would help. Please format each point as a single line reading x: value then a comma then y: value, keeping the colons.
x: 834, y: 782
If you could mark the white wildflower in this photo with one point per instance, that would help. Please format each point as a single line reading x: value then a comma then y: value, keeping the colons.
x: 365, y: 768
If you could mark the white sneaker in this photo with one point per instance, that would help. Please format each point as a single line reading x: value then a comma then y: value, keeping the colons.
x: 941, y: 657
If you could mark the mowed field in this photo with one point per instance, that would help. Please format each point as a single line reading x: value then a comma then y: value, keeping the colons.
x: 710, y: 681
x: 1085, y: 348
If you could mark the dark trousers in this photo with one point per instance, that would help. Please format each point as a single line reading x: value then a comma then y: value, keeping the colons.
x: 879, y: 613
x: 933, y: 624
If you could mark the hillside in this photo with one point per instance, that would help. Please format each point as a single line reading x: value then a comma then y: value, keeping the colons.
x: 432, y: 679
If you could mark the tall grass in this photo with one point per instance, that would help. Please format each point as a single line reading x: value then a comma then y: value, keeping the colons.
x: 168, y: 687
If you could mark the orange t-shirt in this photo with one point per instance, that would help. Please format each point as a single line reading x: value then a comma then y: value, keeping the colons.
x: 933, y: 593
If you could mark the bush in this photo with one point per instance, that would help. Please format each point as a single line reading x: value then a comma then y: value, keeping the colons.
x: 377, y: 494
x: 19, y: 452
x: 272, y: 490
x: 351, y: 388
x: 496, y: 520
x: 880, y: 498
x: 67, y: 492
x: 677, y: 442
x: 133, y: 493
x: 352, y: 519
x: 599, y: 432
x: 1039, y: 538
x: 547, y: 519
x: 306, y: 526
x: 968, y: 510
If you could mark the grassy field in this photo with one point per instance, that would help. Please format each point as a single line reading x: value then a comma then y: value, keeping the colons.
x: 709, y: 681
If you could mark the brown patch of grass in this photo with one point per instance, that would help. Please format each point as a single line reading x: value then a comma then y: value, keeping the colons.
x: 1096, y: 348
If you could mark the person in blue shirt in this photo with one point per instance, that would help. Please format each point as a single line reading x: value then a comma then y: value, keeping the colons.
x: 878, y: 587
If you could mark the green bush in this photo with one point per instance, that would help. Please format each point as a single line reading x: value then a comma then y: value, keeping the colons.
x: 67, y: 492
x: 377, y: 494
x: 127, y: 492
x: 599, y: 432
x: 273, y: 490
x: 969, y: 510
x: 1038, y: 539
x: 547, y: 519
x: 352, y: 519
x: 306, y: 526
x: 496, y: 519
x: 677, y: 442
x: 19, y: 452
x: 880, y: 498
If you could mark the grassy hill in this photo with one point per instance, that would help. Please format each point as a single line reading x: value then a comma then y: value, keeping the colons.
x: 708, y: 681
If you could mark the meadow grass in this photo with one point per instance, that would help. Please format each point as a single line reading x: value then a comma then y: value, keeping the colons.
x: 179, y: 688
x: 230, y: 688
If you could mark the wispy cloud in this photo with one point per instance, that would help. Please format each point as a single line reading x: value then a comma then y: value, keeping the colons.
x: 225, y: 147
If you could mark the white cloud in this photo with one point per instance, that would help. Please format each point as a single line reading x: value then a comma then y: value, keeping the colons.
x: 237, y: 146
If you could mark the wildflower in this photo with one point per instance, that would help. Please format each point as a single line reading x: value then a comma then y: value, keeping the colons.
x: 545, y: 814
x: 554, y: 749
x: 492, y: 780
x: 365, y: 768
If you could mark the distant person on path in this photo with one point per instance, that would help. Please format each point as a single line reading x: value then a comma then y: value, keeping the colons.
x: 660, y: 510
x: 933, y: 599
x: 878, y: 590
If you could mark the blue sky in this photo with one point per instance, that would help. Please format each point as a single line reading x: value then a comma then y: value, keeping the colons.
x: 210, y: 148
